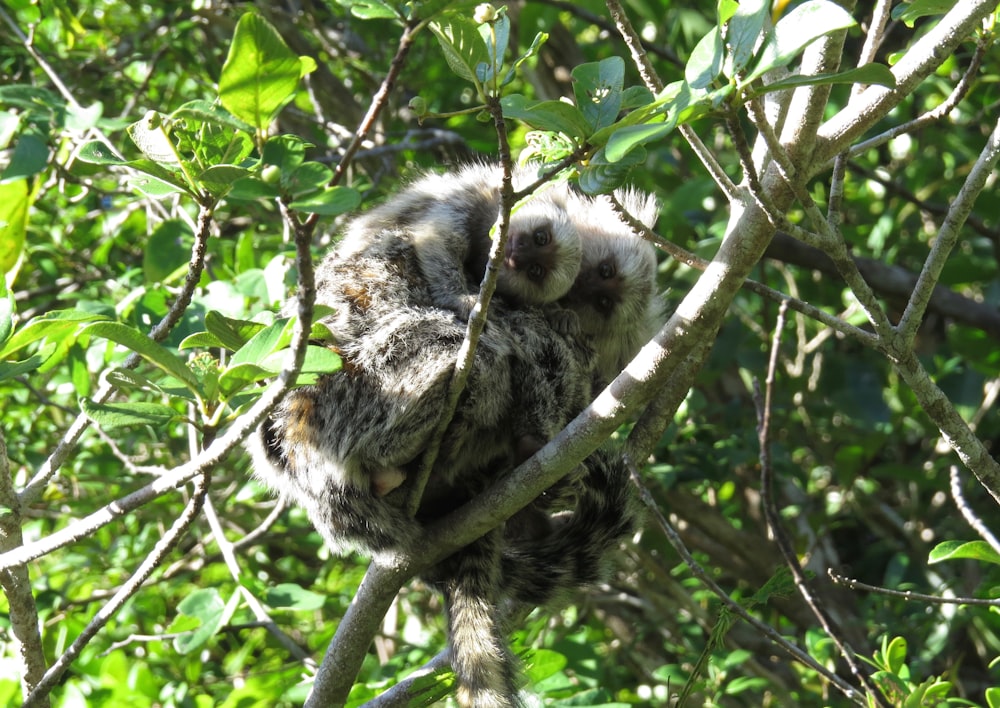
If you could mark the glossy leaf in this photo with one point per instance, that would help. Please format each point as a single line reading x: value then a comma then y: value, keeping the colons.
x: 742, y: 32
x: 705, y: 63
x: 975, y: 550
x: 260, y: 75
x: 868, y: 74
x: 15, y: 198
x: 329, y: 202
x: 118, y: 415
x: 796, y: 30
x: 597, y: 87
x: 464, y: 48
x: 136, y: 341
x: 556, y: 116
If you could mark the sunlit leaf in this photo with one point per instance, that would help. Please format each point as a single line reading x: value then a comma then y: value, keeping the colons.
x: 705, y: 63
x: 329, y: 202
x: 975, y: 550
x: 795, y: 31
x: 15, y: 198
x: 136, y: 341
x: 293, y: 597
x: 743, y: 30
x: 260, y: 75
x: 464, y: 48
x: 556, y: 116
x: 597, y: 87
x: 118, y: 415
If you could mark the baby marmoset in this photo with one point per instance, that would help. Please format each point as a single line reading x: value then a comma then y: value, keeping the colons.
x: 448, y: 218
x: 614, y: 295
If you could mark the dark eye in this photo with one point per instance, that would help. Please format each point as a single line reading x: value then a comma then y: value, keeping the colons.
x: 535, y: 272
x: 541, y: 236
x: 606, y: 270
x: 605, y: 304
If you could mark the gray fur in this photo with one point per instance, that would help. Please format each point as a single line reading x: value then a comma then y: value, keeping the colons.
x: 339, y: 448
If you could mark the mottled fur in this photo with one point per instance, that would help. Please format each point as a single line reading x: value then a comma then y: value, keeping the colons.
x: 614, y: 295
x: 338, y: 447
x: 448, y: 217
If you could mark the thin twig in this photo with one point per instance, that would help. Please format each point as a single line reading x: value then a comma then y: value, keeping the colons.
x: 219, y: 449
x: 655, y: 84
x: 477, y: 322
x: 907, y: 595
x: 767, y: 630
x: 126, y: 591
x: 773, y: 516
x: 935, y: 114
x: 196, y: 265
x: 947, y: 236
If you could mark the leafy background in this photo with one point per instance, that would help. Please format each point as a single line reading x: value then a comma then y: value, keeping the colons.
x: 861, y: 472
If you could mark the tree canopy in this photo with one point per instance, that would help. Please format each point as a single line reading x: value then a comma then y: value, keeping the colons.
x: 813, y: 426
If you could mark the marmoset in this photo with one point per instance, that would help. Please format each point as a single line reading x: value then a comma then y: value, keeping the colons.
x: 614, y: 294
x: 341, y: 446
x: 448, y: 218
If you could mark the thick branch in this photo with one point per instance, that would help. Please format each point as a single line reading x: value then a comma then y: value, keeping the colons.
x: 926, y: 54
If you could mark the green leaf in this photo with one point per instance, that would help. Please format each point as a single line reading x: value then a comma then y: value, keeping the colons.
x: 909, y: 12
x: 151, y: 138
x: 868, y: 74
x: 120, y: 415
x: 307, y: 177
x: 260, y: 75
x: 895, y: 655
x: 285, y: 151
x: 601, y: 176
x: 464, y: 48
x: 496, y: 37
x: 268, y: 340
x: 136, y: 341
x: 167, y: 250
x: 98, y: 153
x: 743, y: 30
x: 318, y: 360
x: 293, y: 597
x: 597, y: 87
x: 536, y: 45
x: 555, y: 116
x: 626, y: 139
x: 993, y: 697
x: 231, y: 333
x: 238, y: 376
x: 208, y: 112
x: 250, y: 188
x: 329, y: 202
x: 30, y: 157
x: 370, y: 9
x: 55, y: 327
x: 127, y: 380
x: 10, y: 369
x: 705, y: 62
x: 7, y: 310
x: 207, y: 607
x: 15, y: 199
x: 975, y: 550
x: 796, y: 30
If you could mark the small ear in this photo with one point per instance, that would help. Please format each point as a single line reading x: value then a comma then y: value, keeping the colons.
x: 642, y: 206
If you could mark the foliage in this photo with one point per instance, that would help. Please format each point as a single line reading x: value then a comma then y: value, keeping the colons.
x: 161, y: 167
